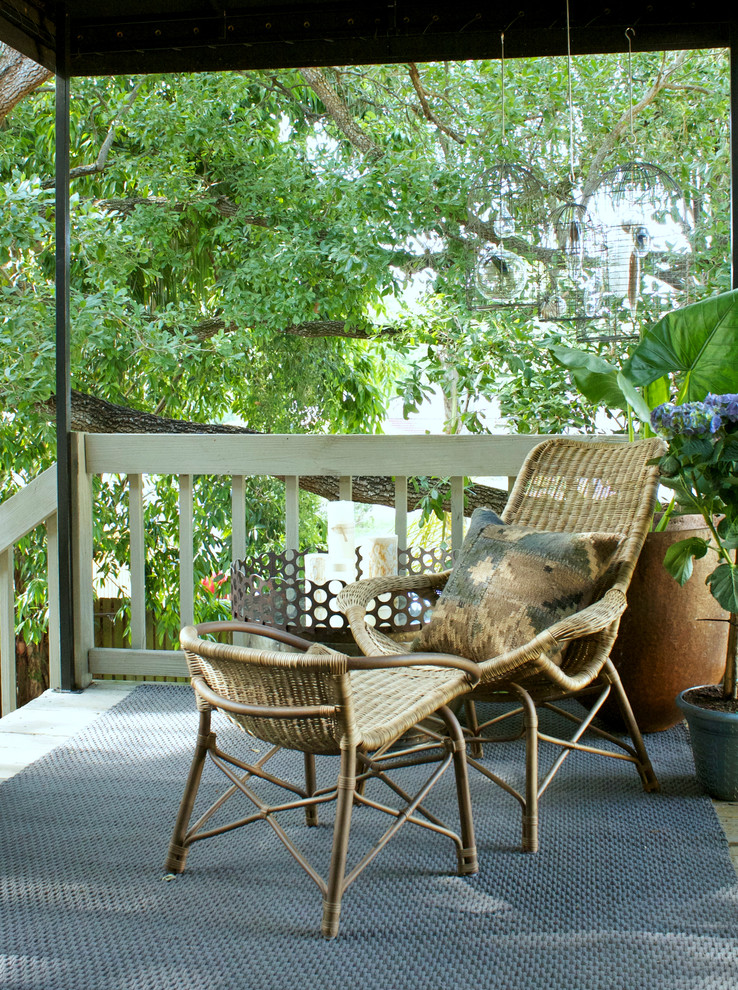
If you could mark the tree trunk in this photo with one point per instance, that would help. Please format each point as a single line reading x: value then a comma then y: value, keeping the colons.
x: 19, y: 76
x: 93, y: 415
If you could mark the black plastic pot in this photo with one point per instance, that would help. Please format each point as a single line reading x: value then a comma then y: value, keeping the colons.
x: 714, y: 737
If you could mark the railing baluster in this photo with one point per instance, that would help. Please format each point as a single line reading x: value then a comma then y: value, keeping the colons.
x: 401, y: 514
x: 52, y: 567
x: 238, y: 532
x: 238, y: 517
x: 291, y: 512
x: 7, y: 632
x: 186, y: 560
x: 457, y: 512
x: 137, y: 562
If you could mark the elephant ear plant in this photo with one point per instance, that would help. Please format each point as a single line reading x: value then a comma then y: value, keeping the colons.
x: 701, y: 467
x: 687, y: 354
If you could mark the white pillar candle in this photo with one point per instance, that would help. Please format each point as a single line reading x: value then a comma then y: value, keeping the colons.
x: 379, y: 556
x: 341, y: 530
x: 316, y: 567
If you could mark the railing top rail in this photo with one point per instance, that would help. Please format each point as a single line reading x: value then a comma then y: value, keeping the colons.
x: 306, y: 454
x: 28, y: 508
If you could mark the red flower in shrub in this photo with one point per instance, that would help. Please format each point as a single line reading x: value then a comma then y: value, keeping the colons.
x: 213, y: 582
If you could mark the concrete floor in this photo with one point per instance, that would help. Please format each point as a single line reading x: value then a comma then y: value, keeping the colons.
x: 34, y: 730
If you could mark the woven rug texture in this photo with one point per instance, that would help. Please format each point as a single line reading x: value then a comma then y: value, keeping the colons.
x: 630, y: 891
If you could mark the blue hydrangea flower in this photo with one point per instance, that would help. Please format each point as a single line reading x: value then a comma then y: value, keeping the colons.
x: 696, y: 418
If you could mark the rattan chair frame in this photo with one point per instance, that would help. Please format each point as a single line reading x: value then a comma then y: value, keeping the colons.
x: 320, y: 702
x: 565, y: 485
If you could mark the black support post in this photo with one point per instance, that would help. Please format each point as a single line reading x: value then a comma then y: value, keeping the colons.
x: 63, y: 372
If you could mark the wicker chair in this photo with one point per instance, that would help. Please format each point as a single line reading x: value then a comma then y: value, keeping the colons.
x: 319, y: 701
x: 565, y: 485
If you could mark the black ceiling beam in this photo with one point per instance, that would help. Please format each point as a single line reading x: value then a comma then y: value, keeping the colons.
x: 29, y: 31
x: 189, y: 55
x: 110, y: 38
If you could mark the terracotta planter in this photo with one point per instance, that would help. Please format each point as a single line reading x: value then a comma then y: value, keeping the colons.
x: 663, y: 645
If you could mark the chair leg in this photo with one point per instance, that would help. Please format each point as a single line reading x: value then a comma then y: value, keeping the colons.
x: 344, y: 805
x: 530, y: 809
x: 311, y: 812
x: 467, y: 856
x: 645, y: 769
x: 470, y: 711
x: 177, y: 854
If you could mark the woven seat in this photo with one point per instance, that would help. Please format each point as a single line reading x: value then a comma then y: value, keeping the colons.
x: 566, y: 485
x: 321, y: 702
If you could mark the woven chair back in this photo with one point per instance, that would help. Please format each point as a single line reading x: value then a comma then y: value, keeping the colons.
x: 576, y: 485
x: 282, y: 681
x: 581, y: 486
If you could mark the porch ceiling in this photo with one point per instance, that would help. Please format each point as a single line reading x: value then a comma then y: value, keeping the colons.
x: 107, y: 37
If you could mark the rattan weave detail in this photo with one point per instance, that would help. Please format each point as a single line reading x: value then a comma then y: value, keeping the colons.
x: 374, y: 706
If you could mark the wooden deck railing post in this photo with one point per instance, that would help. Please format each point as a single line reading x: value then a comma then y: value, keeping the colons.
x: 186, y: 554
x: 291, y: 512
x: 23, y: 512
x: 7, y: 632
x: 82, y: 593
x: 401, y: 514
x: 137, y: 561
x: 457, y: 512
x: 238, y: 531
x: 52, y: 568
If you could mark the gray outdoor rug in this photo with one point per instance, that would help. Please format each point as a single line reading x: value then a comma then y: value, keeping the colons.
x: 629, y: 890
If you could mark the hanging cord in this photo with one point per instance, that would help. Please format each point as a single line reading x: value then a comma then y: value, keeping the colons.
x: 572, y: 176
x: 502, y: 85
x: 630, y: 34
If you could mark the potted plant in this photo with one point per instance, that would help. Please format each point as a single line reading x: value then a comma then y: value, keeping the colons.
x: 701, y: 466
x: 687, y: 354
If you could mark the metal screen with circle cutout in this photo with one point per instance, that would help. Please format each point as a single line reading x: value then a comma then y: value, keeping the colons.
x: 272, y: 589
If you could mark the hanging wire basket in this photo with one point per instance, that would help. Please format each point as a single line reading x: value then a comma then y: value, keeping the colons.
x: 576, y: 264
x: 507, y: 217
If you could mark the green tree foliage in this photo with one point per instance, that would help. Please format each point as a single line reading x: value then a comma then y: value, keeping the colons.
x: 242, y: 242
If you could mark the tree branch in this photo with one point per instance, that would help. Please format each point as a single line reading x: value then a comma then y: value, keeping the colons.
x: 662, y: 82
x: 418, y: 87
x: 339, y: 328
x: 339, y: 113
x: 222, y: 204
x: 315, y: 328
x: 102, y: 159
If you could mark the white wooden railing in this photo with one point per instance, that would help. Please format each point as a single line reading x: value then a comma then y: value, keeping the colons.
x: 237, y: 457
x: 34, y: 505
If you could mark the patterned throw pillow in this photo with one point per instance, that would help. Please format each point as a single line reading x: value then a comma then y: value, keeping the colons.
x: 509, y: 583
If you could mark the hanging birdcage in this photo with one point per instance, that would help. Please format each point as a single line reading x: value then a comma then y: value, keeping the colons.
x: 507, y: 217
x: 576, y: 262
x: 648, y: 238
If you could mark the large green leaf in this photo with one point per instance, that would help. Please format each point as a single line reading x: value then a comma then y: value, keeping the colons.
x: 634, y: 398
x: 595, y: 378
x: 678, y: 559
x: 723, y: 584
x: 698, y: 342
